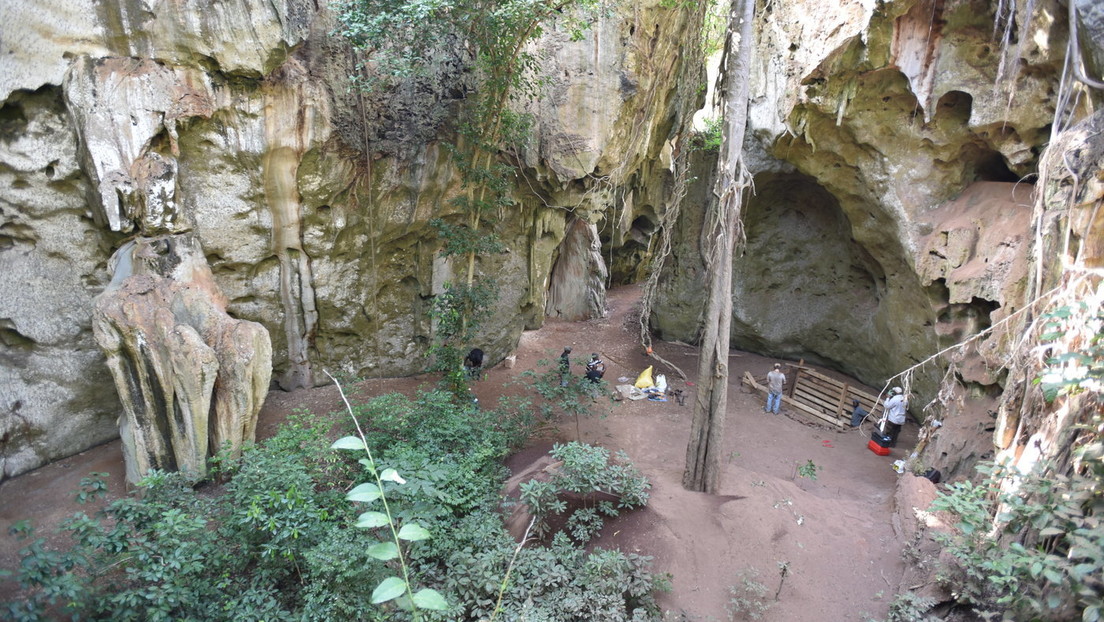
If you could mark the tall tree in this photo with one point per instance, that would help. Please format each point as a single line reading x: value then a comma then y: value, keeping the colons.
x: 724, y: 230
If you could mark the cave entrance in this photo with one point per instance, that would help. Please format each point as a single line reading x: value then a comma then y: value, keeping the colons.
x: 803, y: 288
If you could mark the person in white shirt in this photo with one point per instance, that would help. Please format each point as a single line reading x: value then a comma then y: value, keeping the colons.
x: 895, y: 414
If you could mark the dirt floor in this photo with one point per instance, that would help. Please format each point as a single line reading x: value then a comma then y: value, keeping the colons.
x: 834, y: 534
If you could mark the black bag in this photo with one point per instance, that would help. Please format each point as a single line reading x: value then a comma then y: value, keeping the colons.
x: 882, y: 440
x: 934, y: 475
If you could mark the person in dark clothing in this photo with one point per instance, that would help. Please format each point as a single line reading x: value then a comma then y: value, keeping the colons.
x: 595, y: 368
x: 565, y: 366
x: 858, y: 414
x: 473, y: 364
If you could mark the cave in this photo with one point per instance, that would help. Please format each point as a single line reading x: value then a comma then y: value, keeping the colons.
x: 803, y: 287
x: 301, y: 151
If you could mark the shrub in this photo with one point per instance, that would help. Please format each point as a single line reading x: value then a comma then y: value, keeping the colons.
x: 748, y: 598
x: 1036, y: 553
x: 588, y: 472
x: 277, y: 542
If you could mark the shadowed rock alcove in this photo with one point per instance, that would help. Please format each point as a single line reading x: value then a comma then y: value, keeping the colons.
x: 803, y: 287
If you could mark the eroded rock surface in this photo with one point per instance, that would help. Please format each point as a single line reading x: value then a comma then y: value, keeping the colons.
x: 234, y: 124
x: 877, y: 130
x: 190, y: 377
x: 577, y: 287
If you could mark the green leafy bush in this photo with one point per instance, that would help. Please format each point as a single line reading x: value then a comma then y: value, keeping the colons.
x: 169, y: 553
x: 1036, y: 553
x: 748, y: 599
x: 279, y: 540
x: 587, y: 472
x: 559, y: 582
x: 709, y: 138
x: 1074, y: 335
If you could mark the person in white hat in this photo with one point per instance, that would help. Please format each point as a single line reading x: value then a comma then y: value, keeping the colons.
x: 895, y: 414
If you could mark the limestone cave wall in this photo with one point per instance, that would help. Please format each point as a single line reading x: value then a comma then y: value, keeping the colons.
x: 894, y: 148
x: 234, y: 124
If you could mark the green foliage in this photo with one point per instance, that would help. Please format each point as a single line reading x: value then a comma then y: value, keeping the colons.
x: 909, y: 607
x: 282, y: 541
x: 563, y: 394
x: 460, y: 239
x: 399, y: 589
x: 748, y: 599
x: 458, y: 313
x: 400, y: 39
x: 435, y: 423
x: 709, y: 138
x: 557, y: 583
x: 808, y: 470
x: 588, y: 473
x: 91, y: 488
x: 1035, y: 551
x: 1075, y: 335
x: 170, y: 553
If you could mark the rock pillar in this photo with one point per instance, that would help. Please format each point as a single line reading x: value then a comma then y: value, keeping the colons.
x: 577, y: 287
x: 189, y: 376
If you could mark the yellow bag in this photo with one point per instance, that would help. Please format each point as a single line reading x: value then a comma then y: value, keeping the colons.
x: 644, y: 380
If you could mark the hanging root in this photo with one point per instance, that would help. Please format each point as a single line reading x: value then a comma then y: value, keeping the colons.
x: 666, y: 227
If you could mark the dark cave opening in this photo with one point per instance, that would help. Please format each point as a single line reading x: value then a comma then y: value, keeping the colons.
x: 991, y: 166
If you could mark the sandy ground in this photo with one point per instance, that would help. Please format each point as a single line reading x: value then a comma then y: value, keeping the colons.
x: 834, y: 534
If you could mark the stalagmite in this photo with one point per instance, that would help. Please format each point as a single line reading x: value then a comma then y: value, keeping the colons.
x: 189, y: 376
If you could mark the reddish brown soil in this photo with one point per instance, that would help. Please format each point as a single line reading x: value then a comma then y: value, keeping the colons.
x: 834, y: 533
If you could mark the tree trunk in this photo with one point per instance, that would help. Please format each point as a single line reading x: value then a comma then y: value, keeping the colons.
x: 725, y: 229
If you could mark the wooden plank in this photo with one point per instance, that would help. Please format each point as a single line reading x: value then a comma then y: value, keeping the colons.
x: 842, y: 399
x: 828, y: 397
x: 856, y: 390
x: 814, y: 401
x: 828, y: 388
x: 798, y: 406
x: 826, y: 403
x: 809, y: 411
x: 816, y: 397
x: 819, y: 395
x: 793, y: 385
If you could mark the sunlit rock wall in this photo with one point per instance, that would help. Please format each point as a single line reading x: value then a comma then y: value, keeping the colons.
x: 233, y: 122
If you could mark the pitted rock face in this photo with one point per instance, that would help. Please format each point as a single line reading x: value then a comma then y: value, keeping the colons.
x: 190, y: 377
x: 234, y: 122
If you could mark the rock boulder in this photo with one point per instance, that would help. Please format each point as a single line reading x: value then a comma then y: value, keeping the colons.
x: 190, y: 377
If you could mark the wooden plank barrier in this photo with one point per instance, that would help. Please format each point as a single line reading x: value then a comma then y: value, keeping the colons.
x: 824, y: 399
x: 792, y: 402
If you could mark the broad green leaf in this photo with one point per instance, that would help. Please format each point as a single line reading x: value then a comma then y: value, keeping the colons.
x: 369, y: 520
x: 391, y: 475
x: 383, y: 551
x: 348, y: 442
x: 413, y: 532
x: 430, y: 599
x: 390, y: 588
x: 366, y: 492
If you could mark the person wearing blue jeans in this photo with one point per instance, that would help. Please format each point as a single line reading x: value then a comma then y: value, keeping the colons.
x: 776, y: 380
x: 858, y: 414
